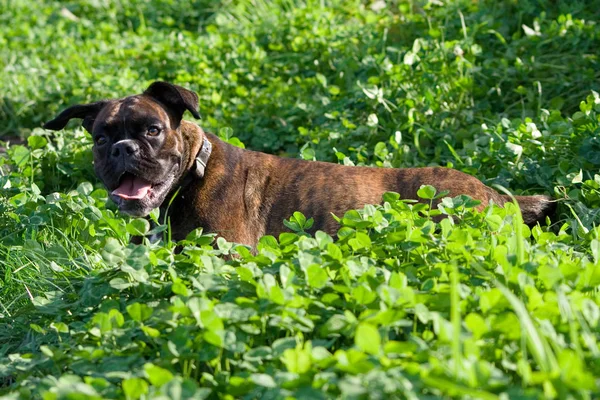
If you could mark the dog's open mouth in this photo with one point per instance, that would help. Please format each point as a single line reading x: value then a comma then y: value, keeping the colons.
x: 132, y: 187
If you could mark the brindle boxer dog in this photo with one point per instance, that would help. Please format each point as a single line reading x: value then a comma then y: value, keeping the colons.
x: 144, y: 152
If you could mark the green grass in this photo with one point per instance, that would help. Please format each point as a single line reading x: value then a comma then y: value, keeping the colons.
x: 398, y: 306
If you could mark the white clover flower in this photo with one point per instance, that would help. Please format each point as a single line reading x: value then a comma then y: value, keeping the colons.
x: 535, y: 132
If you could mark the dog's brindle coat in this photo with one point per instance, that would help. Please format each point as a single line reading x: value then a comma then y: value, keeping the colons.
x: 243, y: 194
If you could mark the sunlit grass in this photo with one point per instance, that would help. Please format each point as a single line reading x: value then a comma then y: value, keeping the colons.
x: 399, y: 306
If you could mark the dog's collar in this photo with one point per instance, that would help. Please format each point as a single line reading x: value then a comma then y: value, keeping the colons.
x: 202, y: 158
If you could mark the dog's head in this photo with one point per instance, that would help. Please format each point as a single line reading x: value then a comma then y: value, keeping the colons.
x: 138, y: 145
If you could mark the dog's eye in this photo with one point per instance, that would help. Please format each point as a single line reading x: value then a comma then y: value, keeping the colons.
x: 100, y: 140
x: 153, y: 131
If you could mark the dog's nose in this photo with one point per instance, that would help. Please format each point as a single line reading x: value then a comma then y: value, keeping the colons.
x: 125, y: 148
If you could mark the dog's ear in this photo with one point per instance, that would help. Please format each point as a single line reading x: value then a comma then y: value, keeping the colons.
x: 176, y: 98
x: 87, y: 112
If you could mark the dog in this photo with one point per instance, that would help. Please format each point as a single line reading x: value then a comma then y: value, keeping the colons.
x: 144, y: 153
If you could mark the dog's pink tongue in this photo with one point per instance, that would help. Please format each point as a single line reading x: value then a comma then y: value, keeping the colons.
x: 132, y: 188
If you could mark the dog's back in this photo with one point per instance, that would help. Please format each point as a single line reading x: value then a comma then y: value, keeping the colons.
x: 280, y: 186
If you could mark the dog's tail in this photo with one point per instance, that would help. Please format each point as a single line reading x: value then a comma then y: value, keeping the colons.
x: 534, y: 208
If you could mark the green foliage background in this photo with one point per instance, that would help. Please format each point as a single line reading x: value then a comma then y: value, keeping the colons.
x: 477, y: 306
